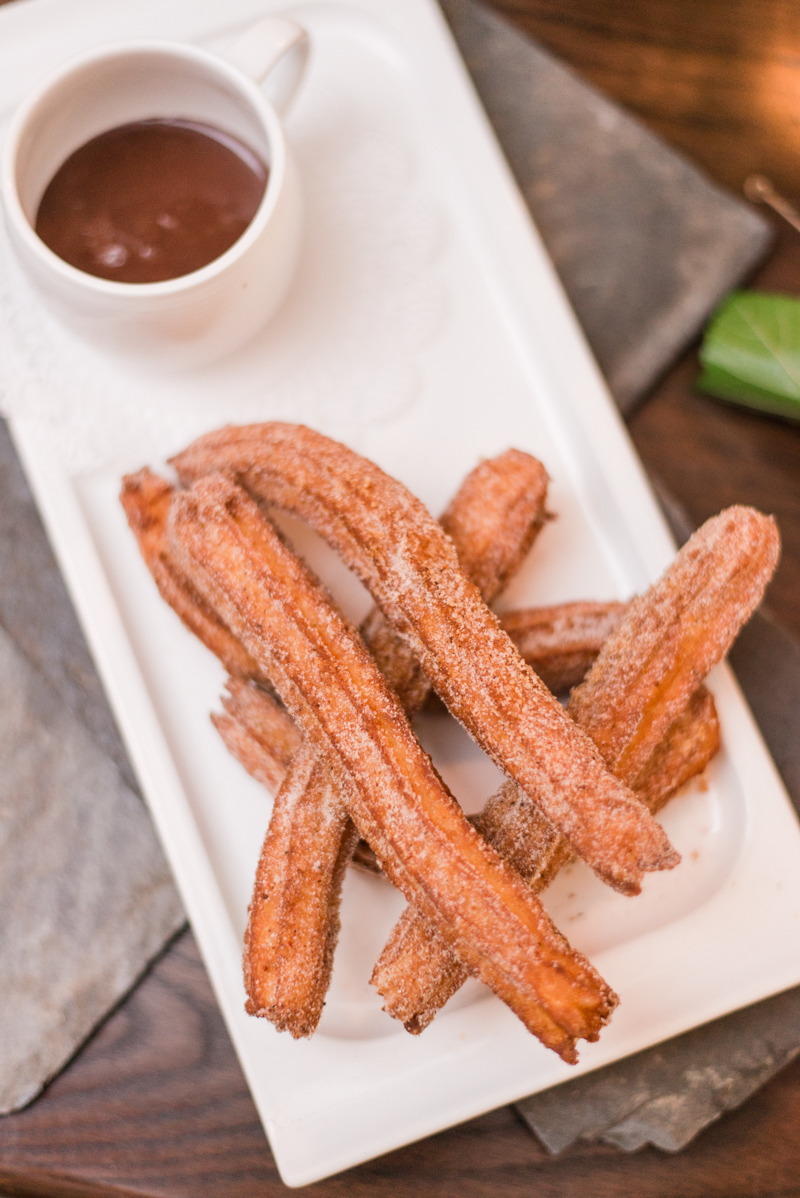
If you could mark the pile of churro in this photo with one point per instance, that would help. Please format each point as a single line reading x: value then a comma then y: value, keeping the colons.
x: 319, y: 712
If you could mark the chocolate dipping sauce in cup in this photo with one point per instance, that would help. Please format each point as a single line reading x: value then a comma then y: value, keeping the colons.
x: 195, y: 318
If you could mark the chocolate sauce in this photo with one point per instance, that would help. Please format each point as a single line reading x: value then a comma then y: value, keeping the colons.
x: 152, y: 200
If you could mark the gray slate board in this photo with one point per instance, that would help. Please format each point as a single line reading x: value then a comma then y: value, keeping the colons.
x: 666, y: 1095
x: 86, y: 896
x: 643, y: 242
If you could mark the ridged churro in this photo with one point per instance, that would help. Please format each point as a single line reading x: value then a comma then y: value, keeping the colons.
x: 561, y: 643
x: 402, y: 555
x: 684, y: 752
x: 294, y: 914
x: 292, y: 951
x: 644, y: 684
x: 505, y: 498
x: 671, y: 636
x: 258, y: 731
x: 146, y: 499
x: 336, y: 694
x: 417, y: 972
x: 502, y: 502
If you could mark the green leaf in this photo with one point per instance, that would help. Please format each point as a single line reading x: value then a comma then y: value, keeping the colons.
x: 751, y: 353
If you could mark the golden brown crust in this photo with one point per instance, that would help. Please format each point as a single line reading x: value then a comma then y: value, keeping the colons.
x: 561, y: 643
x: 410, y: 566
x: 683, y: 754
x: 146, y: 499
x: 262, y: 717
x: 332, y: 688
x: 515, y: 485
x: 286, y: 928
x: 492, y: 521
x: 495, y: 518
x: 259, y: 732
x: 417, y: 972
x: 670, y: 637
x: 665, y: 643
x: 537, y: 632
x: 259, y: 762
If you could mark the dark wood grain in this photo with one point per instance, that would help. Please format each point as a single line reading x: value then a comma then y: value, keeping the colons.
x: 711, y: 454
x: 156, y: 1105
x: 720, y: 79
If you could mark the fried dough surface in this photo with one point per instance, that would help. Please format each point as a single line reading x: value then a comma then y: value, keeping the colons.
x: 387, y: 536
x: 504, y: 501
x: 334, y: 691
x: 645, y: 684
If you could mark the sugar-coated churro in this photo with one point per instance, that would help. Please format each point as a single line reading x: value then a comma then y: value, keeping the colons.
x: 334, y: 691
x: 294, y: 914
x: 417, y: 972
x: 505, y: 498
x: 684, y: 752
x: 671, y: 636
x: 644, y: 684
x: 561, y: 643
x: 258, y: 731
x: 400, y: 552
x: 146, y: 499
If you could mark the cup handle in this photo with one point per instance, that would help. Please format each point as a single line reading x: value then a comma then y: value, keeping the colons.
x: 275, y: 51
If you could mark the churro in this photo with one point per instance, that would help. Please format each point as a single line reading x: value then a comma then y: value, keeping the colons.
x: 334, y: 691
x: 417, y: 972
x: 402, y: 555
x: 505, y: 499
x: 644, y: 684
x: 146, y: 499
x: 671, y: 636
x: 683, y: 754
x: 294, y: 914
x: 257, y: 731
x: 561, y: 643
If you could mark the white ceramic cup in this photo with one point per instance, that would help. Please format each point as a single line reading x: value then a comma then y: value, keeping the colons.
x: 196, y: 318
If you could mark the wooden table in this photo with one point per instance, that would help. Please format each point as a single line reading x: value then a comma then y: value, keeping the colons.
x: 156, y: 1103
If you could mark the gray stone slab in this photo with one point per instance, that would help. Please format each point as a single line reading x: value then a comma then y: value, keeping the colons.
x: 36, y: 611
x: 766, y: 659
x: 86, y: 895
x: 666, y: 1095
x: 643, y: 242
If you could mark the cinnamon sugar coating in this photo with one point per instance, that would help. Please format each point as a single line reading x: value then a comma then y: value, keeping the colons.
x: 294, y: 913
x: 146, y: 499
x: 643, y: 703
x: 410, y: 566
x: 258, y: 731
x: 685, y: 752
x: 671, y: 637
x: 505, y: 497
x: 333, y: 689
x: 561, y: 643
x: 575, y: 624
x: 417, y: 972
x: 495, y: 517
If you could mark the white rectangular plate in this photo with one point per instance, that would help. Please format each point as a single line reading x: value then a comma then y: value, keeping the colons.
x: 426, y: 329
